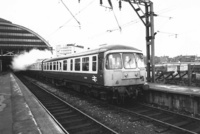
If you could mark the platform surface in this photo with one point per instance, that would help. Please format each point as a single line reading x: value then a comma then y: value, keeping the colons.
x: 186, y: 90
x: 20, y: 112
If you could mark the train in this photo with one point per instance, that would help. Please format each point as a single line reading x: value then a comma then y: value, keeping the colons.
x: 111, y: 72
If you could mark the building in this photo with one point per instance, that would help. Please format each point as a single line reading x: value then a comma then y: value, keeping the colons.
x: 62, y: 50
x: 184, y: 58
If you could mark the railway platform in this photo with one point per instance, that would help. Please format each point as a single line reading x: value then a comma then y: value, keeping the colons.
x: 184, y: 90
x: 183, y: 99
x: 20, y: 112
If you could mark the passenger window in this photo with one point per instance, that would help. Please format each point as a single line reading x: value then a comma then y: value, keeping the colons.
x: 58, y: 65
x: 50, y: 65
x: 71, y: 62
x: 94, y: 63
x: 65, y: 65
x: 77, y: 64
x: 54, y: 65
x: 85, y: 64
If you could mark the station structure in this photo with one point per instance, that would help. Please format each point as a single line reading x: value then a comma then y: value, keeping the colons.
x: 62, y: 50
x: 15, y: 39
x: 15, y: 97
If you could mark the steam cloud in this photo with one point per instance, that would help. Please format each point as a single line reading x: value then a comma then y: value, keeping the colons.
x: 27, y: 58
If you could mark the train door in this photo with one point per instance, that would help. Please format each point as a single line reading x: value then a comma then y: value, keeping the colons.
x: 113, y: 69
x: 101, y: 68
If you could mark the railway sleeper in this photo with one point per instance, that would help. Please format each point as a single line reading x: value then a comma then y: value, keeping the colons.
x: 60, y: 113
x: 74, y: 127
x: 60, y: 110
x: 74, y: 122
x: 68, y: 116
x: 86, y: 130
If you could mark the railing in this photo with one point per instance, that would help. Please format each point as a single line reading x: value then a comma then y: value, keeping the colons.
x: 187, y: 74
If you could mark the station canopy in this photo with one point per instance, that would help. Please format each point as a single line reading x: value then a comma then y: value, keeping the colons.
x: 15, y: 39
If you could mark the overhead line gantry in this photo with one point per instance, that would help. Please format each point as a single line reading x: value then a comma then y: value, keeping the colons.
x: 147, y: 18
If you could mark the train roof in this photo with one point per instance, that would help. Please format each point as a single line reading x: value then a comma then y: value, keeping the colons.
x: 97, y: 50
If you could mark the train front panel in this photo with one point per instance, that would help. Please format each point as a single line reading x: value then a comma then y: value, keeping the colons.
x: 124, y: 68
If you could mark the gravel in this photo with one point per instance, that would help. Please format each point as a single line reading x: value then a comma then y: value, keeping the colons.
x: 120, y: 121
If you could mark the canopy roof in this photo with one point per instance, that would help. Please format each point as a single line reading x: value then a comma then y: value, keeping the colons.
x: 13, y: 36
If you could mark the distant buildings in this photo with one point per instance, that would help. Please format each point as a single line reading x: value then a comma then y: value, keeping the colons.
x: 164, y: 59
x: 177, y: 59
x: 184, y: 58
x: 62, y: 50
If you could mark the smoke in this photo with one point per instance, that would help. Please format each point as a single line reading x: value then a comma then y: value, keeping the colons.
x: 22, y: 61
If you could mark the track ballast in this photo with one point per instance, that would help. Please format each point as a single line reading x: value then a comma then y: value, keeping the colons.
x: 70, y: 119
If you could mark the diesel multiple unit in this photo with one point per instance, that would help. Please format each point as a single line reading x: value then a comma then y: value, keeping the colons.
x: 111, y: 71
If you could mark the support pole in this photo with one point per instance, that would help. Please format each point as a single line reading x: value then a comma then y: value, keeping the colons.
x: 189, y: 75
x: 148, y: 20
x: 149, y: 14
x: 152, y: 42
x: 147, y: 41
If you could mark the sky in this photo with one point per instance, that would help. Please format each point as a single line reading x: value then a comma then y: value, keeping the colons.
x: 89, y: 24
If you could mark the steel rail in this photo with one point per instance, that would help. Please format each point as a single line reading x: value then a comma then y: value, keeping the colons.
x: 111, y: 130
x: 156, y: 120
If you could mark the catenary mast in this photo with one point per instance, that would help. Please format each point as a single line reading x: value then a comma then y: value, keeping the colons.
x: 147, y: 19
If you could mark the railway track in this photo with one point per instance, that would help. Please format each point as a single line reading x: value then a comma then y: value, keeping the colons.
x: 69, y: 118
x: 170, y: 121
x: 165, y: 121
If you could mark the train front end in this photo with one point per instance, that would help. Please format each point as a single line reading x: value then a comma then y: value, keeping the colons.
x: 125, y: 72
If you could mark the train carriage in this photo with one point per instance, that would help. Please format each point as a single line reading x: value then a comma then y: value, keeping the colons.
x: 116, y: 70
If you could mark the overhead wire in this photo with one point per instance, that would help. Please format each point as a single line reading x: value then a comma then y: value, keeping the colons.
x: 77, y: 13
x: 166, y: 21
x: 70, y: 12
x: 169, y: 9
x: 159, y: 14
x: 124, y: 25
x: 111, y: 6
x: 73, y: 17
x: 114, y: 29
x: 170, y: 34
x: 117, y: 21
